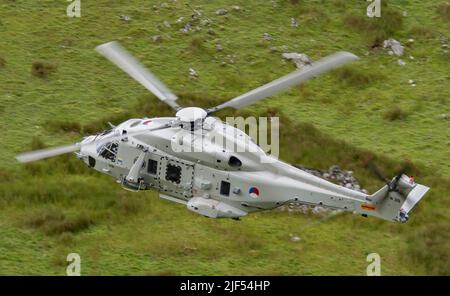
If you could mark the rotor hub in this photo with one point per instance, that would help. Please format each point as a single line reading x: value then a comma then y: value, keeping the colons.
x: 191, y: 118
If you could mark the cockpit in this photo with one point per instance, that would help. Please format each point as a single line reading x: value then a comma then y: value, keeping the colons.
x: 108, y: 150
x: 106, y: 132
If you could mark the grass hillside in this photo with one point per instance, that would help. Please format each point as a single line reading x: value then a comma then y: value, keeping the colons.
x: 55, y: 88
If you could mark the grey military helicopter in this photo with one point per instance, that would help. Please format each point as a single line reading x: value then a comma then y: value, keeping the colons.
x: 216, y: 181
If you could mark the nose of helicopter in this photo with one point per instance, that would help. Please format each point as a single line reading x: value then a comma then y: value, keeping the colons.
x: 87, y: 152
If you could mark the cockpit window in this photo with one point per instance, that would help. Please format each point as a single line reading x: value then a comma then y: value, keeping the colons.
x: 108, y: 150
x: 105, y: 132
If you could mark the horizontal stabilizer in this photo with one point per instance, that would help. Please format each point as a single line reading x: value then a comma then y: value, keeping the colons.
x: 414, y: 197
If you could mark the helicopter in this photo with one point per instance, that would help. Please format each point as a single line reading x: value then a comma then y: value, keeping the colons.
x: 213, y: 180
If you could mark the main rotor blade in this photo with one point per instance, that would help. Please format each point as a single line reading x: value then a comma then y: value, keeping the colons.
x: 114, y: 52
x: 46, y: 153
x: 297, y: 77
x: 55, y: 151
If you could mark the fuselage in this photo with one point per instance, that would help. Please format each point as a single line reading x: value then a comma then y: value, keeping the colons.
x: 185, y: 164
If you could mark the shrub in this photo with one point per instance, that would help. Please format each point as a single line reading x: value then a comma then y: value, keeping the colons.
x: 196, y: 43
x: 443, y: 10
x: 72, y: 225
x: 36, y: 143
x: 378, y: 29
x: 356, y: 77
x: 53, y: 221
x: 42, y: 68
x: 421, y: 31
x: 431, y: 246
x: 2, y: 62
x: 407, y: 167
x: 43, y: 217
x: 129, y: 205
x: 395, y: 114
x: 63, y: 126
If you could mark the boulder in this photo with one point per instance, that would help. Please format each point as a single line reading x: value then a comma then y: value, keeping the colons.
x: 267, y: 37
x: 192, y: 72
x: 157, y: 38
x: 394, y: 45
x: 300, y: 60
x: 221, y: 11
x: 125, y: 18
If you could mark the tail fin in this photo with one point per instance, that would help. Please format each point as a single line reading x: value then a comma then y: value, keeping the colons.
x: 395, y: 200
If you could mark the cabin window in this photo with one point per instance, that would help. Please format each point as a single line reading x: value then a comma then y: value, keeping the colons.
x: 234, y: 162
x: 91, y: 161
x: 152, y: 167
x: 225, y: 188
x: 173, y: 173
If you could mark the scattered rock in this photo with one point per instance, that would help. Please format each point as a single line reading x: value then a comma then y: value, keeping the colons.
x: 401, y: 62
x: 444, y: 116
x: 167, y: 24
x: 196, y: 14
x: 410, y: 40
x: 180, y: 20
x: 294, y: 22
x: 204, y: 22
x: 219, y: 47
x: 211, y: 31
x: 267, y: 37
x: 187, y: 27
x: 295, y: 238
x: 157, y: 38
x: 125, y: 18
x: 231, y: 59
x: 318, y: 210
x: 405, y: 13
x: 282, y: 48
x: 193, y: 73
x: 412, y: 82
x: 236, y: 8
x: 393, y: 45
x: 444, y: 42
x: 221, y: 11
x: 301, y: 60
x: 189, y: 250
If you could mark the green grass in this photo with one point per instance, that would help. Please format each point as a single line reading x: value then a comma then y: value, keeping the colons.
x: 52, y: 208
